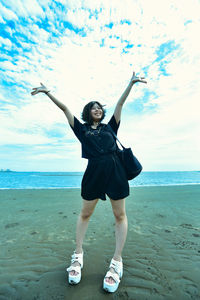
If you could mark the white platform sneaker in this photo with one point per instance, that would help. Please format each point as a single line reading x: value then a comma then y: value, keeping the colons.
x: 118, y: 268
x: 75, y: 279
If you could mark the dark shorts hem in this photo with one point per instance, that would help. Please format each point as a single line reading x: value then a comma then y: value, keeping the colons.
x: 118, y: 197
x: 113, y: 197
x: 90, y: 198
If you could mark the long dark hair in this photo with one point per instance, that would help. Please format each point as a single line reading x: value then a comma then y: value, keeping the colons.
x: 86, y: 113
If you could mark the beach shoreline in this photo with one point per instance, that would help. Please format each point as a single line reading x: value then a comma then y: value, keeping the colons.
x: 161, y: 255
x: 78, y: 188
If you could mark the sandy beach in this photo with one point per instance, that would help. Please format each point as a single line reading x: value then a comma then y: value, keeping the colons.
x: 161, y: 256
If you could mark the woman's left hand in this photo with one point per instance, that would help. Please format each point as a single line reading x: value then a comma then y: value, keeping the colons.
x: 135, y: 79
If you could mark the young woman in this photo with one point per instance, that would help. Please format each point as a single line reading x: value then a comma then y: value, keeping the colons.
x: 104, y: 175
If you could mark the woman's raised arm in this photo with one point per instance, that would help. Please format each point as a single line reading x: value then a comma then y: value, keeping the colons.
x: 45, y: 90
x: 122, y: 99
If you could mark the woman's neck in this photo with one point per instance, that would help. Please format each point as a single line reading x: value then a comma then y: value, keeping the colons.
x: 95, y: 124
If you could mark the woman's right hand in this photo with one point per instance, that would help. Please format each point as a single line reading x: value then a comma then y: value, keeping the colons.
x: 40, y: 89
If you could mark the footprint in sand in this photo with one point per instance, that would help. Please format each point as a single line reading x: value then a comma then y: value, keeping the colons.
x: 160, y: 215
x: 189, y: 226
x: 196, y: 235
x: 10, y: 225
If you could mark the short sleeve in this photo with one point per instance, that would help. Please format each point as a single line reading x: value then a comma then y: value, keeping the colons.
x: 77, y: 129
x: 113, y: 124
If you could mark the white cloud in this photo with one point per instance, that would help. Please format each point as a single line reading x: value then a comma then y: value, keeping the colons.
x: 14, y: 8
x: 7, y: 65
x: 46, y: 156
x: 7, y: 13
x: 13, y: 137
x: 80, y: 17
x: 5, y: 42
x: 2, y: 20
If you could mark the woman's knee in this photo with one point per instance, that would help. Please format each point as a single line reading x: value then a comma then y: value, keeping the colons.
x: 120, y: 216
x: 119, y: 210
x: 86, y: 214
x: 87, y: 209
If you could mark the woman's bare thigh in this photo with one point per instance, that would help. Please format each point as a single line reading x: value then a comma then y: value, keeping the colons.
x: 88, y: 206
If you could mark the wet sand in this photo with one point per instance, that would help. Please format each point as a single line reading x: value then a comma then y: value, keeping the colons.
x: 161, y: 256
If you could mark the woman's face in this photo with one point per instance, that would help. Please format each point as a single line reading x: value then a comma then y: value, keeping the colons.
x: 96, y: 112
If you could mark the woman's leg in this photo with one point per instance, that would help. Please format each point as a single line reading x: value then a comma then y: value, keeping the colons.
x: 121, y: 226
x: 82, y: 225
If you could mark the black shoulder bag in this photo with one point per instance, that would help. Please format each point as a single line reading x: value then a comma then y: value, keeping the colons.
x: 130, y: 163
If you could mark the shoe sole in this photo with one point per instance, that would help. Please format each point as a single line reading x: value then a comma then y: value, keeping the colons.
x: 108, y: 291
x: 73, y: 282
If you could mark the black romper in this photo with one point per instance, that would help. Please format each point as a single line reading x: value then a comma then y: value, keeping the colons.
x: 104, y: 173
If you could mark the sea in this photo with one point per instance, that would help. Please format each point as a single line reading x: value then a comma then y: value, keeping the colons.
x: 66, y: 180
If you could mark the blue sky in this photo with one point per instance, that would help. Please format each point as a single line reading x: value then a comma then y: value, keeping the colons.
x: 87, y: 50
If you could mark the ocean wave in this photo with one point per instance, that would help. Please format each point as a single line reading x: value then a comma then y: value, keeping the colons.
x: 73, y: 187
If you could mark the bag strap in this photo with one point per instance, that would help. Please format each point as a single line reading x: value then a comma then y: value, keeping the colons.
x: 113, y: 133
